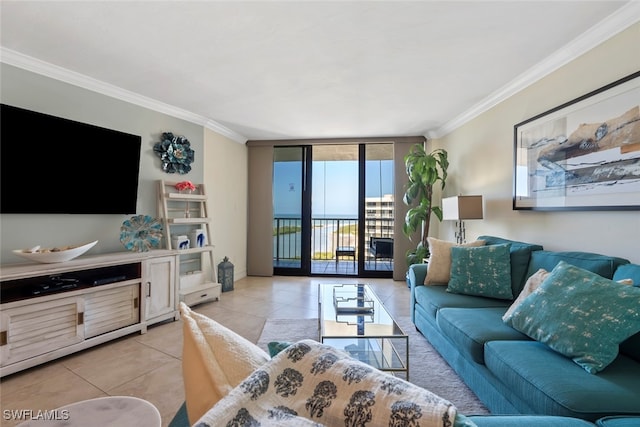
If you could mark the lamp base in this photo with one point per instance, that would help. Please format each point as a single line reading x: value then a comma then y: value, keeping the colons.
x: 460, y: 233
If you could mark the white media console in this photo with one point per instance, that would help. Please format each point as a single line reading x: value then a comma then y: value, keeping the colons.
x: 51, y: 310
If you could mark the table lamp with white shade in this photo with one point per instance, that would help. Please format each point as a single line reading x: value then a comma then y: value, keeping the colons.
x: 459, y: 209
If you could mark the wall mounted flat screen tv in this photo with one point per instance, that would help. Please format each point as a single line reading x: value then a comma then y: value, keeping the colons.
x: 51, y: 165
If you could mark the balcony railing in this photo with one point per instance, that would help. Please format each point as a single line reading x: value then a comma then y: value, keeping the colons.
x: 327, y: 234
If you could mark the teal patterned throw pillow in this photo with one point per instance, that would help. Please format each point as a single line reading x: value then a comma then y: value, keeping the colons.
x: 482, y: 271
x: 581, y: 315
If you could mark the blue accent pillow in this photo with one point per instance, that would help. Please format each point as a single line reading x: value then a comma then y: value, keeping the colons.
x: 581, y: 315
x: 520, y: 255
x: 482, y: 271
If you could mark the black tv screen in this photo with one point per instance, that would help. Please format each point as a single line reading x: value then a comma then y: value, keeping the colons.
x: 51, y: 165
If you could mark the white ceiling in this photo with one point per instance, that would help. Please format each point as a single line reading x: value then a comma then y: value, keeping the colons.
x: 308, y: 69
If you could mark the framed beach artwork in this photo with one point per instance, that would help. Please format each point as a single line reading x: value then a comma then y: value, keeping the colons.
x: 582, y: 155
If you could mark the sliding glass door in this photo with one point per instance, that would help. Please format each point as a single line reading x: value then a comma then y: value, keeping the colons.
x: 333, y: 210
x: 291, y: 219
x: 379, y: 209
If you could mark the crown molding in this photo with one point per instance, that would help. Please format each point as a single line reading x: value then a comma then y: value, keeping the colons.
x: 607, y: 28
x: 46, y: 69
x: 610, y: 26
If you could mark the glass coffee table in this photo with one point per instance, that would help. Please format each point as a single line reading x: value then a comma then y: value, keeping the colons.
x: 353, y: 319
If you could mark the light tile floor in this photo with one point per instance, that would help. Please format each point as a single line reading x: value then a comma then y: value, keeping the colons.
x: 148, y: 365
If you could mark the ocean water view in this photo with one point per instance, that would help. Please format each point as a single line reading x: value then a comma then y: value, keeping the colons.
x: 316, y: 216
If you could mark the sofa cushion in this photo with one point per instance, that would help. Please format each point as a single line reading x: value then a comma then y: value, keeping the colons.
x: 628, y: 271
x: 433, y: 298
x: 482, y: 271
x: 440, y: 260
x: 631, y: 346
x: 470, y: 328
x: 552, y: 383
x: 520, y: 254
x: 529, y: 421
x: 581, y: 315
x: 603, y: 265
x: 618, y: 421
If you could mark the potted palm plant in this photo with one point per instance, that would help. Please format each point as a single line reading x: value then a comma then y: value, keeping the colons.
x: 424, y: 171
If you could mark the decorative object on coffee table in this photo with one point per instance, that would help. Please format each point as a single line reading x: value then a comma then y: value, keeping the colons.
x: 175, y: 152
x: 53, y: 255
x: 140, y: 233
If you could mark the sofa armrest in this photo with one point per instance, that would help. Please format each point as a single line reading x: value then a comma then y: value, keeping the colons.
x: 417, y: 274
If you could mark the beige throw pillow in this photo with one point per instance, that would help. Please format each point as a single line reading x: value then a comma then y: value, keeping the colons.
x: 439, y: 270
x: 214, y: 361
x: 531, y: 285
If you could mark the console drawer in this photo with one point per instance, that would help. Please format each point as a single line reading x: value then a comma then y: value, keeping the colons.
x: 200, y: 293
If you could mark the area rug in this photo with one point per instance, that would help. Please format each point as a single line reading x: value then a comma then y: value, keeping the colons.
x: 427, y: 368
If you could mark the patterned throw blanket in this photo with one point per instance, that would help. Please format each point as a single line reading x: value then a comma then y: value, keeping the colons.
x: 311, y: 384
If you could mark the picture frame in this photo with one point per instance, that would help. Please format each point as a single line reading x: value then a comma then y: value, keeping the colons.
x: 581, y: 155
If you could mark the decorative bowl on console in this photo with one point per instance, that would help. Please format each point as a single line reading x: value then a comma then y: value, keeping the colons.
x: 53, y: 255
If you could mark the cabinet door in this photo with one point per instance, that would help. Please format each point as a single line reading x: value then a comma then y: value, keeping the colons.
x: 160, y: 283
x: 111, y: 309
x: 36, y: 329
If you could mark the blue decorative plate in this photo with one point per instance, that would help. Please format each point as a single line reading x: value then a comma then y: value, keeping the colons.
x: 140, y: 233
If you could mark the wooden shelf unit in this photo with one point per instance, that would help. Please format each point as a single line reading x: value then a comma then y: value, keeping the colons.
x: 186, y: 212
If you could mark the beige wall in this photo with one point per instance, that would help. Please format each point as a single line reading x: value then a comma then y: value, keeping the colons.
x: 481, y: 157
x: 225, y: 174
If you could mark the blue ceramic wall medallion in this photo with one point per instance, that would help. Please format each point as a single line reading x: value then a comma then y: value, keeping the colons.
x: 175, y: 153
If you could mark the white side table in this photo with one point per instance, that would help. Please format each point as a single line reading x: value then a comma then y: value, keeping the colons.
x: 109, y: 411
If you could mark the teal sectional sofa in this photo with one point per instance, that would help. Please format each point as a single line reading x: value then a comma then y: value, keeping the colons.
x: 510, y: 372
